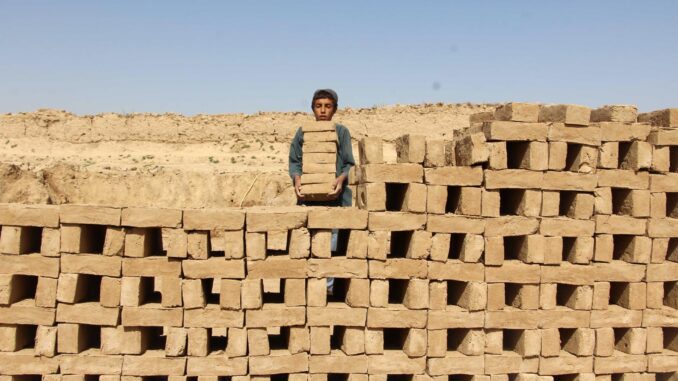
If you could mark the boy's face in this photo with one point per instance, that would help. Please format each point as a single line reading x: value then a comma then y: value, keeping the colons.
x: 323, y: 109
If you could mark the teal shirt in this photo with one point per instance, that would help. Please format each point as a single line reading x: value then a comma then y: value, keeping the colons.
x: 344, y: 163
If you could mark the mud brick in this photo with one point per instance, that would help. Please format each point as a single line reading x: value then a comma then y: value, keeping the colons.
x: 91, y: 264
x: 151, y: 217
x: 658, y: 205
x: 550, y: 342
x: 513, y: 178
x: 567, y: 114
x: 175, y: 344
x: 550, y: 205
x: 255, y: 245
x: 454, y: 176
x: 471, y: 149
x: 608, y: 155
x: 45, y: 292
x: 619, y: 272
x: 662, y: 227
x: 528, y: 155
x: 277, y: 268
x: 121, y: 340
x: 519, y: 112
x: 72, y: 338
x: 209, y: 219
x: 309, y: 167
x: 300, y: 243
x: 398, y: 268
x: 213, y: 317
x: 513, y: 272
x: 468, y: 247
x: 140, y: 242
x: 15, y: 338
x: 568, y: 274
x: 665, y: 118
x: 663, y: 182
x: 655, y: 295
x: 217, y: 365
x: 509, y: 363
x: 554, y: 180
x: 252, y: 294
x: 558, y: 156
x: 661, y: 250
x: 396, y: 362
x: 455, y: 224
x: 318, y: 126
x: 234, y: 243
x: 88, y: 214
x: 320, y: 243
x: 435, y: 153
x: 320, y: 340
x: 71, y: 288
x: 357, y: 244
x: 27, y: 314
x: 664, y: 272
x: 497, y: 155
x: 276, y: 316
x: 579, y: 342
x: 631, y: 340
x: 263, y: 219
x: 455, y: 363
x: 620, y: 225
x: 177, y: 243
x: 152, y: 317
x: 620, y: 364
x: 395, y: 221
x: 338, y: 267
x: 411, y: 148
x: 602, y: 200
x: 317, y: 292
x: 663, y: 137
x: 553, y: 250
x: 391, y: 173
x: 615, y: 113
x: 631, y: 202
x: 635, y: 155
x: 494, y: 251
x: 20, y: 240
x: 566, y: 364
x: 209, y: 268
x: 395, y: 318
x: 635, y: 250
x: 490, y: 203
x: 579, y: 250
x: 198, y: 245
x: 295, y: 292
x: 623, y: 179
x: 50, y: 242
x: 372, y: 196
x: 631, y: 295
x: 276, y: 240
x: 371, y: 150
x: 152, y: 266
x: 45, y: 341
x: 278, y: 362
x: 29, y: 215
x: 605, y: 345
x: 257, y: 342
x: 16, y: 365
x: 661, y: 159
x: 655, y: 340
x: 374, y: 341
x: 510, y: 226
x: 578, y: 205
x: 353, y: 341
x: 337, y: 362
x: 192, y: 293
x: 601, y: 295
x: 299, y: 340
x: 320, y: 157
x: 379, y: 293
x: 153, y: 364
x: 337, y: 218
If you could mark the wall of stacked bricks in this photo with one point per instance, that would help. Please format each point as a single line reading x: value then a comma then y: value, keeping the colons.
x: 539, y: 244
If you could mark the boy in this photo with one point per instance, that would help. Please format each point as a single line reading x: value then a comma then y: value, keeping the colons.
x: 324, y: 105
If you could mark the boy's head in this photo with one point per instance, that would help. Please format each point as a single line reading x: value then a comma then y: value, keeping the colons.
x: 324, y: 104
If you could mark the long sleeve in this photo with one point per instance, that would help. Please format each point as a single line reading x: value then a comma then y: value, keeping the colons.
x: 296, y: 154
x: 346, y: 151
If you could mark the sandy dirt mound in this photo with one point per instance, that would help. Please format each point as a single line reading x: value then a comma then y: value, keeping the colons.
x: 169, y: 160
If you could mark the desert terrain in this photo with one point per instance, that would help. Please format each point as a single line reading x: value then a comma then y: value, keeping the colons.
x: 169, y: 160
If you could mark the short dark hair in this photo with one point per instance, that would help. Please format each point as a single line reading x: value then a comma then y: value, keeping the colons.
x: 325, y: 94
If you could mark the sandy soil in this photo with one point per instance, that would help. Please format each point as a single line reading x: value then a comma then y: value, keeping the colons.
x: 169, y: 160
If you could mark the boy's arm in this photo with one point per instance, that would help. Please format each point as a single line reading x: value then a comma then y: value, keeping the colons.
x: 295, y: 162
x: 346, y: 153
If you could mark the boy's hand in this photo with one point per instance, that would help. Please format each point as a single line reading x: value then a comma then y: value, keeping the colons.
x: 297, y: 186
x: 337, y: 186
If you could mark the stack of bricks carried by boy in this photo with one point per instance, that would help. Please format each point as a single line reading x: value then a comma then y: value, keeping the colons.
x: 541, y: 243
x: 320, y: 160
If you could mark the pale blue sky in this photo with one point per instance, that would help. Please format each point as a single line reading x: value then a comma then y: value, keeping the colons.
x: 220, y: 56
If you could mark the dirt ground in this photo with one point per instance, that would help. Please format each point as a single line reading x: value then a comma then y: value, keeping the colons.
x: 169, y: 160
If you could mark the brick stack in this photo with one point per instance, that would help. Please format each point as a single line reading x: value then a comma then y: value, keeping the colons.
x: 320, y: 160
x: 539, y: 244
